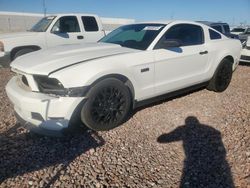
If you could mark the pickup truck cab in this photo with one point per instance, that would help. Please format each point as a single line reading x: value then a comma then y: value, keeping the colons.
x: 57, y: 30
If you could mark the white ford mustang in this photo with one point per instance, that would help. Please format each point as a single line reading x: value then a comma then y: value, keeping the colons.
x: 101, y: 82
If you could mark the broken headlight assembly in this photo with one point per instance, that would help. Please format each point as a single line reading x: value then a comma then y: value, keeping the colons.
x: 55, y: 87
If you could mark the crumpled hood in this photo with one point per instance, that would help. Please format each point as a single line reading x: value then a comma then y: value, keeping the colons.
x: 17, y: 35
x: 44, y: 62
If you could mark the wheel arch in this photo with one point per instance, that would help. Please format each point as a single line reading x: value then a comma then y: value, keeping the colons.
x: 127, y: 82
x: 230, y: 58
x: 215, y: 67
x: 16, y: 49
x: 213, y: 83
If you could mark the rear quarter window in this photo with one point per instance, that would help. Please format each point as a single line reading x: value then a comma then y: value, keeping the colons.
x: 90, y: 23
x: 214, y: 35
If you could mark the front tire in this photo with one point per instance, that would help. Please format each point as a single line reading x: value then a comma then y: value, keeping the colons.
x: 222, y: 77
x: 107, y: 106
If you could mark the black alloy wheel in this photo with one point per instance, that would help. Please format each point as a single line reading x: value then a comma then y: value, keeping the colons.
x: 107, y: 106
x: 222, y: 77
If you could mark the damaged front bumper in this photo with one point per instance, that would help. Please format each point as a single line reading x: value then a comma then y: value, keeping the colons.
x: 41, y: 113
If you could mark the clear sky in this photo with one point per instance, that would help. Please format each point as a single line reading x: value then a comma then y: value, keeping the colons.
x: 231, y: 11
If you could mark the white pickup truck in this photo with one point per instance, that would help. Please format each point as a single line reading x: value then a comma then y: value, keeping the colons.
x: 57, y: 30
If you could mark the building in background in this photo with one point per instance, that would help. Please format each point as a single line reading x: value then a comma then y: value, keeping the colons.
x: 14, y: 21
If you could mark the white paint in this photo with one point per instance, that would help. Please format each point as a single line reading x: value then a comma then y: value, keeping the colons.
x: 81, y: 65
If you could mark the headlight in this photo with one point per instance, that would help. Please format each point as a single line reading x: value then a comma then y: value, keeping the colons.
x: 244, y: 44
x: 53, y: 86
x: 1, y: 47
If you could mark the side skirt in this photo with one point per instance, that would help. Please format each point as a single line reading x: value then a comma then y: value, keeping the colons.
x: 171, y: 95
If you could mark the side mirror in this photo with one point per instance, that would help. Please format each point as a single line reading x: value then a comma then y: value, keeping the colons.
x: 171, y: 43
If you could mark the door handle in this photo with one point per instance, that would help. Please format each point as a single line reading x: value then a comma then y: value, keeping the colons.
x: 80, y: 37
x: 204, y: 52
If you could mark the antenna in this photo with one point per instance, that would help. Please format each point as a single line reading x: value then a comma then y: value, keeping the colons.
x: 172, y: 15
x: 44, y: 8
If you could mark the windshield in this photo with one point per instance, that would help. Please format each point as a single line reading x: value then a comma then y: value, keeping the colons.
x: 238, y: 30
x: 137, y: 36
x: 43, y: 24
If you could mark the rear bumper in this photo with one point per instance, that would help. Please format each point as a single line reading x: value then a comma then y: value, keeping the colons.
x: 39, y: 112
x: 4, y: 59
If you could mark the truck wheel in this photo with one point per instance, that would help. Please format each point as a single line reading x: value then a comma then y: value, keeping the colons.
x: 107, y: 106
x: 22, y: 52
x: 222, y: 77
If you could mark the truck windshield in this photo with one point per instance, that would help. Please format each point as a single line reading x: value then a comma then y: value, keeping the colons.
x: 137, y: 36
x: 43, y: 24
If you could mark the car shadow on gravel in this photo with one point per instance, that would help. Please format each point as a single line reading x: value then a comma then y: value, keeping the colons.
x: 163, y: 99
x: 205, y: 164
x: 22, y: 153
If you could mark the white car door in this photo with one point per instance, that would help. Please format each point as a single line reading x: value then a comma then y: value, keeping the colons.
x: 183, y: 66
x: 66, y: 30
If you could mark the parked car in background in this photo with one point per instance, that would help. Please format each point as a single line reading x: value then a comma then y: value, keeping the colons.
x: 243, y: 36
x: 101, y: 82
x: 57, y: 30
x: 238, y: 30
x: 245, y: 53
x: 221, y: 27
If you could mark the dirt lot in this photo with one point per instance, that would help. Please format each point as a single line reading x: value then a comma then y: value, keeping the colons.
x: 201, y: 139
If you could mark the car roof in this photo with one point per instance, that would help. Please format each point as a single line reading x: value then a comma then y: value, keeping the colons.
x: 212, y: 23
x: 166, y: 22
x: 73, y: 14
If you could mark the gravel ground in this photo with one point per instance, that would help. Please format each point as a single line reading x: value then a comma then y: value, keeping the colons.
x: 201, y: 139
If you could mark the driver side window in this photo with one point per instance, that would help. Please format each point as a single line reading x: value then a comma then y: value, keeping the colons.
x: 66, y: 24
x: 185, y: 34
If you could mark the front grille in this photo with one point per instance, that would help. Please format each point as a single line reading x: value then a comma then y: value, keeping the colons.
x: 243, y: 57
x: 25, y: 81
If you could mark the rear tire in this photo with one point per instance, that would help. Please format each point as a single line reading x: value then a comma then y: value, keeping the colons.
x: 222, y: 77
x: 107, y: 106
